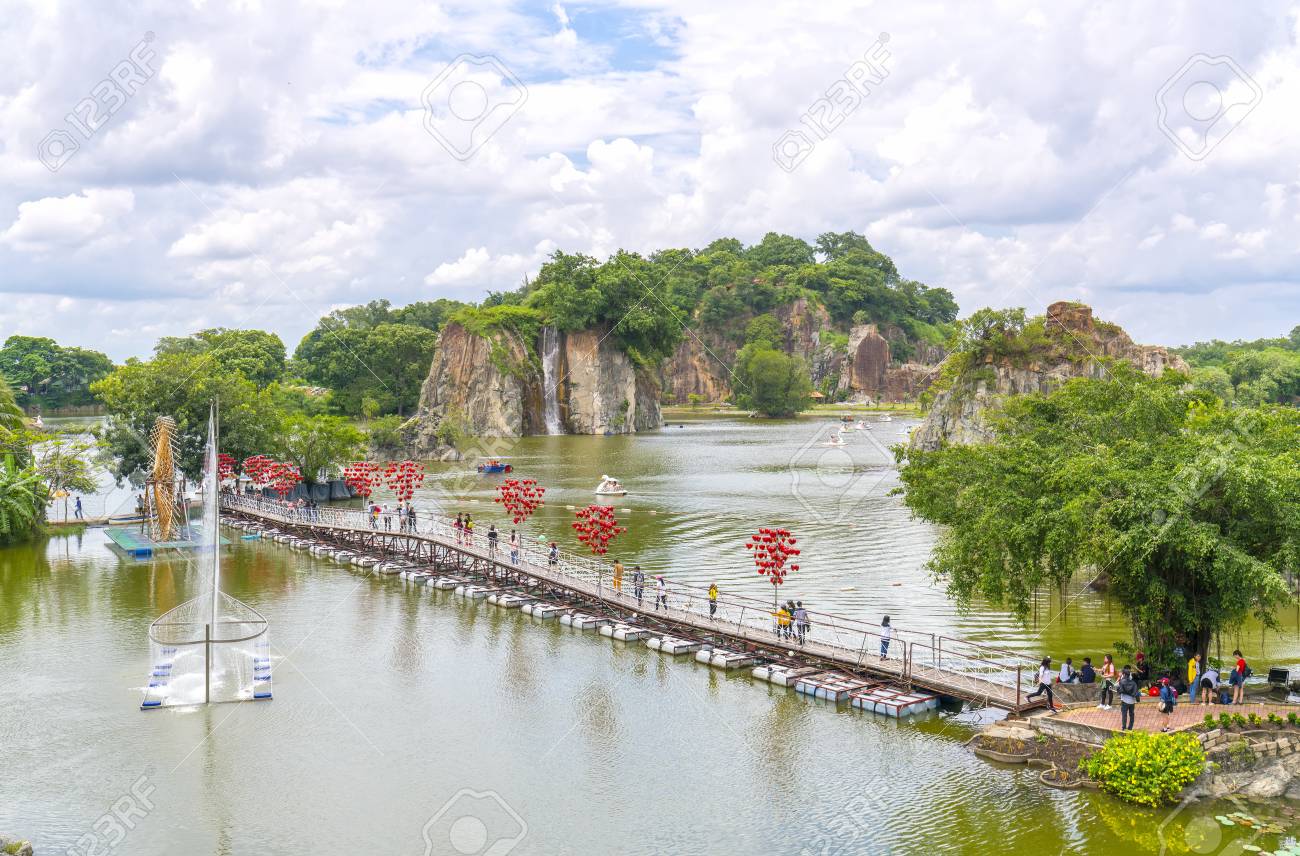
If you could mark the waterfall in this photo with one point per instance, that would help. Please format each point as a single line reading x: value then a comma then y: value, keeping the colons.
x: 551, y: 380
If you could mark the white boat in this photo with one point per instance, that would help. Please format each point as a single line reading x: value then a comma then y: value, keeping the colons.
x: 610, y: 487
x: 836, y: 439
x: 861, y: 426
x: 886, y: 418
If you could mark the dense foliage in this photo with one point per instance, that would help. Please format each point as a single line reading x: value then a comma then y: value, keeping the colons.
x: 374, y: 358
x: 1189, y: 507
x: 1147, y: 769
x: 1264, y: 370
x: 255, y: 354
x: 317, y: 444
x: 47, y: 374
x: 22, y: 493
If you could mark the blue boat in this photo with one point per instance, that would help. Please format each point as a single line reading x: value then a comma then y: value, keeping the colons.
x: 494, y: 465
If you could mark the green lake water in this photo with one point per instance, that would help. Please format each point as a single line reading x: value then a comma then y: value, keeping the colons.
x: 398, y: 710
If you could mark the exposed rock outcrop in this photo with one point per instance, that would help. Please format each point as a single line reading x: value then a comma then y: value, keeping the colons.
x: 492, y: 385
x: 959, y: 414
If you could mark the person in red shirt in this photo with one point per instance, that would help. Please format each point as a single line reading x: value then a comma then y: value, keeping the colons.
x: 1237, y: 679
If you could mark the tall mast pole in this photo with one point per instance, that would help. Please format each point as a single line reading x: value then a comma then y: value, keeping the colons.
x: 211, y: 498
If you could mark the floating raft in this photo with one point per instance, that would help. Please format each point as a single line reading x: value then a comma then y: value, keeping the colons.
x: 721, y: 658
x: 830, y: 686
x: 544, y: 611
x: 447, y: 583
x: 472, y: 592
x: 894, y: 702
x: 782, y: 676
x: 505, y: 600
x: 579, y: 621
x: 138, y: 544
x: 674, y: 646
x: 624, y: 632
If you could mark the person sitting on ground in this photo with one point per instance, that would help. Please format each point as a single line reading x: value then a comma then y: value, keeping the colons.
x: 1209, y: 684
x: 1087, y: 674
x: 1068, y: 674
x: 1141, y: 670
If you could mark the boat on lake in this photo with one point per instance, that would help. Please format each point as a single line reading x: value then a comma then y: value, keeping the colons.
x: 610, y: 487
x: 495, y: 465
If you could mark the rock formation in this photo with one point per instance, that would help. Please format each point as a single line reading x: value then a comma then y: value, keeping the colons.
x: 493, y: 385
x: 959, y: 412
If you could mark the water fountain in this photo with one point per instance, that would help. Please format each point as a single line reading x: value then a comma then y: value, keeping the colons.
x: 214, y: 647
x: 551, y: 380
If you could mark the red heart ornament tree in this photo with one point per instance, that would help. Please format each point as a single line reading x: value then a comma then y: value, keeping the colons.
x: 225, y: 467
x: 520, y: 498
x: 772, y: 550
x: 596, y: 526
x: 362, y: 476
x: 403, y: 478
x: 284, y: 477
x: 257, y: 468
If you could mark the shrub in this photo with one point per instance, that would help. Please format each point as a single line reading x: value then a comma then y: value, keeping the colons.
x: 1225, y: 720
x: 1292, y: 718
x: 1253, y: 718
x: 1147, y: 769
x: 1274, y: 719
x: 1238, y: 719
x: 1210, y: 721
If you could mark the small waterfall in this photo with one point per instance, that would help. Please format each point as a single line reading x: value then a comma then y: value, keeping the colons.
x: 550, y: 380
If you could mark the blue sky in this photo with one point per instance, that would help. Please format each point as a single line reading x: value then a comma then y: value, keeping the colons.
x: 274, y: 161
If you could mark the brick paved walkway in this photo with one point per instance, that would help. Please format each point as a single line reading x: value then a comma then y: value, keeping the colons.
x: 1185, y: 715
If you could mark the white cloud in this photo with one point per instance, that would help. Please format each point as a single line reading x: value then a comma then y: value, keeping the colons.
x: 57, y: 222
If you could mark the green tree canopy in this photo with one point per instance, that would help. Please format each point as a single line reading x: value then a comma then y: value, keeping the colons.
x: 181, y: 385
x: 49, y: 374
x: 385, y: 364
x: 1189, y: 507
x: 771, y: 382
x: 256, y: 354
x: 317, y: 445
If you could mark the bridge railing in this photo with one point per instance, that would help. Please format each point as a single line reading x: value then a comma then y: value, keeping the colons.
x: 914, y: 653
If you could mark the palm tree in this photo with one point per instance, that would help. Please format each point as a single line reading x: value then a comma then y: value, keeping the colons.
x: 22, y: 500
x: 11, y: 415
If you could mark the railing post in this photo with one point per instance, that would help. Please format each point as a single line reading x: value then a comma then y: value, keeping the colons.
x: 933, y: 651
x: 1018, y: 668
x: 939, y: 664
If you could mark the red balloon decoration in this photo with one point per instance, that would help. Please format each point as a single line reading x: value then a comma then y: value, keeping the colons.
x: 257, y: 468
x: 225, y: 467
x: 362, y: 477
x: 404, y: 478
x: 520, y: 498
x: 283, y: 477
x: 596, y: 527
x: 772, y: 550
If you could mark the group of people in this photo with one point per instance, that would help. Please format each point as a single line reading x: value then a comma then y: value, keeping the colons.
x: 638, y: 585
x: 406, y: 516
x: 791, y: 621
x: 1134, y: 681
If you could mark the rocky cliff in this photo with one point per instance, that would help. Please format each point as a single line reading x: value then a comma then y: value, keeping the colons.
x: 862, y: 371
x: 959, y: 413
x: 494, y: 384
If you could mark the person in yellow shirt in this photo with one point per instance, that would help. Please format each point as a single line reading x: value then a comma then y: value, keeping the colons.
x: 618, y: 576
x: 713, y: 599
x: 783, y: 622
x: 1193, y: 673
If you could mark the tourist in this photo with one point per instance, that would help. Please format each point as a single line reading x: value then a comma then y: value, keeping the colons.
x: 410, y: 517
x: 783, y: 622
x: 492, y: 541
x: 77, y: 510
x: 1107, y: 682
x: 459, y: 528
x: 1128, y: 699
x: 805, y: 623
x: 374, y: 517
x: 1068, y: 674
x: 469, y: 531
x: 638, y: 583
x: 514, y: 546
x: 1044, y: 684
x: 618, y: 576
x: 886, y: 635
x: 401, y: 517
x: 1087, y: 674
x: 1209, y: 684
x: 1168, y: 699
x: 388, y: 519
x: 661, y: 593
x: 1142, y: 671
x: 1193, y: 673
x: 713, y: 599
x: 553, y: 558
x: 1237, y: 680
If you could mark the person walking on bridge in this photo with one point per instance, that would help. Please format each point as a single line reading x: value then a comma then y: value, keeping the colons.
x: 886, y: 635
x: 492, y: 541
x: 638, y: 583
x: 514, y: 546
x: 618, y: 577
x: 1045, y: 677
x: 800, y: 621
x: 661, y: 593
x: 410, y: 518
x: 713, y: 599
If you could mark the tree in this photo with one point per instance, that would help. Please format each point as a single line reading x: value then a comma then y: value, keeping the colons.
x: 386, y: 363
x: 65, y: 467
x: 1189, y: 507
x: 181, y: 386
x: 770, y: 382
x: 317, y: 444
x: 256, y: 354
x: 22, y: 501
x: 11, y: 415
x: 46, y: 373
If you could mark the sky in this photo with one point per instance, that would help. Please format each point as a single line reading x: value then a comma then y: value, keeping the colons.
x: 171, y: 166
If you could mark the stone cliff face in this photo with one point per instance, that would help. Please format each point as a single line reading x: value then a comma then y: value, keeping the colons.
x: 959, y: 414
x: 701, y: 364
x: 494, y: 386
